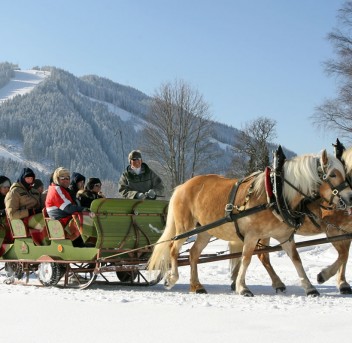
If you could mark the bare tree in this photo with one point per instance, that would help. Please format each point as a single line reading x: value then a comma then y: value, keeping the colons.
x: 336, y: 114
x: 178, y: 134
x: 252, y: 147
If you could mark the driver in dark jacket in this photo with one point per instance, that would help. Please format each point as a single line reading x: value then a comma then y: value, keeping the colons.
x: 139, y: 181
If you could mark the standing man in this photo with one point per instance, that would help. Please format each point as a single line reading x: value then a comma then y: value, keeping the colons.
x: 139, y: 181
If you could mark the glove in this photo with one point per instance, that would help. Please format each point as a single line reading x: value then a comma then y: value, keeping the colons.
x: 2, y: 213
x: 140, y: 196
x: 151, y: 194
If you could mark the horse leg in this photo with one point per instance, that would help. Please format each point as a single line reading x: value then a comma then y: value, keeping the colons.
x: 290, y: 249
x: 338, y: 268
x: 264, y: 258
x: 235, y: 263
x: 194, y: 254
x: 342, y: 284
x: 277, y: 284
x: 172, y: 275
x: 247, y: 252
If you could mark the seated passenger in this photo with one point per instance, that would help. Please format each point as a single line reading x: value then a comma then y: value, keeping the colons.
x: 77, y: 184
x: 91, y: 192
x: 59, y: 205
x: 5, y: 185
x: 23, y: 202
x: 39, y: 186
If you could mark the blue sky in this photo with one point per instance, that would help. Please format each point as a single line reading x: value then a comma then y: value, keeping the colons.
x: 247, y: 58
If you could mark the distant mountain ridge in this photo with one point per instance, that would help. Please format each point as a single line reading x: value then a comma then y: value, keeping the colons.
x: 87, y: 124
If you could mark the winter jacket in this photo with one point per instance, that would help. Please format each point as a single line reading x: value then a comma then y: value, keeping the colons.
x: 131, y: 184
x: 85, y: 197
x: 59, y: 204
x: 72, y: 188
x: 20, y: 201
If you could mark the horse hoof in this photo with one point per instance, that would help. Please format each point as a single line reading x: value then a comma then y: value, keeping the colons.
x: 201, y: 291
x: 314, y: 293
x: 167, y: 285
x: 281, y: 290
x: 320, y: 278
x: 233, y: 286
x: 247, y: 293
x: 345, y: 290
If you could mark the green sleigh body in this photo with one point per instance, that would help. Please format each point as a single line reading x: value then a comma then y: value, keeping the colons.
x: 120, y: 240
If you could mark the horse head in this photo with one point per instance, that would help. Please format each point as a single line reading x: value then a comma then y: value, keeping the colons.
x: 317, y: 175
x: 334, y: 188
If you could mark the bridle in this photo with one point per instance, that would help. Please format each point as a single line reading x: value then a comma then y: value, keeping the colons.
x: 335, y: 190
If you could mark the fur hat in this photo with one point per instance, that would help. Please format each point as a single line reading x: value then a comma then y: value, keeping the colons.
x: 91, y: 182
x: 4, y: 181
x: 59, y: 172
x: 134, y: 154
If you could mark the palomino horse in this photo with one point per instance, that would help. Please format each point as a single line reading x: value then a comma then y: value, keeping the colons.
x: 332, y: 223
x: 203, y: 199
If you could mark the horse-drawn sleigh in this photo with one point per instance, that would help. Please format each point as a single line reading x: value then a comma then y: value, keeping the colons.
x: 130, y: 236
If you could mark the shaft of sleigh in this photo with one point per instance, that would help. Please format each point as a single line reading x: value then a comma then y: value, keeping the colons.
x: 183, y: 261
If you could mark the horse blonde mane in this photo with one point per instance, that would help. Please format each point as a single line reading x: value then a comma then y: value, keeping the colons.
x: 347, y: 159
x: 303, y: 173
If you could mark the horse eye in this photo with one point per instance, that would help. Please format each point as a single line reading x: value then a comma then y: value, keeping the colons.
x: 332, y: 175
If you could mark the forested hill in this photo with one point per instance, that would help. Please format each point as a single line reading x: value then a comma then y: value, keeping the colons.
x: 87, y: 124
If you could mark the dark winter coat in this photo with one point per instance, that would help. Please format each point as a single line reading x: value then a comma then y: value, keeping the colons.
x: 86, y: 197
x: 130, y: 184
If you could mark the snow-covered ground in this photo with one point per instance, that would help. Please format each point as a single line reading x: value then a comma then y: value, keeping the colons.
x: 23, y: 82
x: 153, y: 314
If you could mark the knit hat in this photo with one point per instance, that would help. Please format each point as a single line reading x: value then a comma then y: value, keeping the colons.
x: 91, y: 182
x: 59, y: 172
x: 4, y: 181
x: 37, y: 183
x: 77, y: 177
x: 26, y: 172
x: 134, y: 154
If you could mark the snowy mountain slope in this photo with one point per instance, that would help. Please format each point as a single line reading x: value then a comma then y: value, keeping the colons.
x: 23, y: 82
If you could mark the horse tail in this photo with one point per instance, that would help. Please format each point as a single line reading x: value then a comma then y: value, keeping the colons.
x: 160, y: 258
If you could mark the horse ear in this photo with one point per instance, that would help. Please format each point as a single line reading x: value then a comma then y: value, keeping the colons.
x: 324, y: 158
x: 338, y: 149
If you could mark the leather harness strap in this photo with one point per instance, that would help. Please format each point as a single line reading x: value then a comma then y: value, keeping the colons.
x: 230, y: 206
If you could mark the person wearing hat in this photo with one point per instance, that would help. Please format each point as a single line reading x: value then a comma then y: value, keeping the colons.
x: 39, y: 186
x: 23, y: 201
x: 60, y: 205
x: 91, y: 192
x: 5, y: 236
x: 139, y: 181
x: 76, y: 184
x: 5, y: 185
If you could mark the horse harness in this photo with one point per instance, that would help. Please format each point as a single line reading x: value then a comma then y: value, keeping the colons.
x: 274, y: 180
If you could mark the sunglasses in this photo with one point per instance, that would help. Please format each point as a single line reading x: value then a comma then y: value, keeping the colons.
x: 135, y: 159
x: 64, y: 178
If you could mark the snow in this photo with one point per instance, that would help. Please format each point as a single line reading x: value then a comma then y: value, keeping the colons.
x: 23, y: 82
x: 152, y: 314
